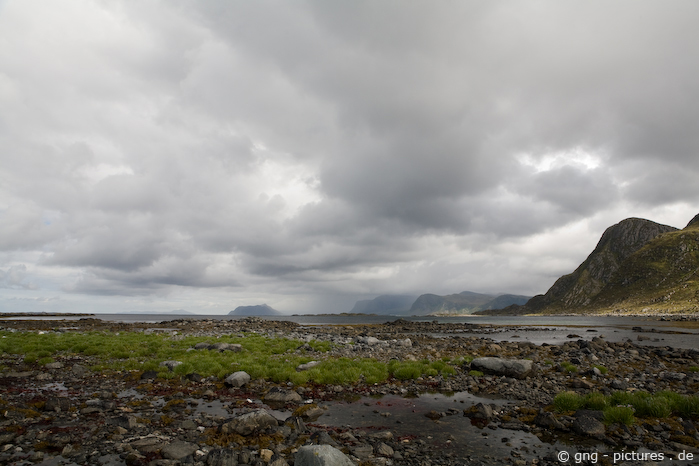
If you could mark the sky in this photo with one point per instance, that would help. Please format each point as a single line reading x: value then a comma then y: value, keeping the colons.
x: 161, y: 155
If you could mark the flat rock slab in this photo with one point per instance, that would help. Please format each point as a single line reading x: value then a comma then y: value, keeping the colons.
x: 250, y: 422
x: 516, y: 368
x: 281, y: 395
x: 178, y: 450
x: 321, y: 455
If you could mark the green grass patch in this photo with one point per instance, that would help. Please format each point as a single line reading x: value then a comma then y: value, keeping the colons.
x: 568, y: 367
x: 619, y: 415
x: 595, y: 400
x: 567, y: 401
x: 601, y: 368
x: 273, y: 359
x: 640, y: 404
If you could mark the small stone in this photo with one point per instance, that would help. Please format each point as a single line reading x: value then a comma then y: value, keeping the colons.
x: 383, y: 450
x: 266, y: 455
x: 308, y: 365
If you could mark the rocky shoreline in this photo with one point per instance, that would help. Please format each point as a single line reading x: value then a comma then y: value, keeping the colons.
x: 64, y: 413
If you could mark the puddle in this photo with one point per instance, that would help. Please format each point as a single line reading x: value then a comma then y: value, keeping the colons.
x: 454, y: 433
x: 55, y: 386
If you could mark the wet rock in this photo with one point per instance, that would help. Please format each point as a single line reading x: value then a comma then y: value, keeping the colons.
x: 280, y: 395
x: 480, y: 411
x: 321, y: 455
x: 57, y: 404
x: 362, y: 451
x: 548, y: 420
x: 178, y: 449
x: 238, y: 379
x: 383, y: 450
x: 148, y: 445
x: 250, y: 422
x: 222, y: 457
x: 127, y: 422
x: 516, y: 368
x: 323, y: 438
x: 149, y: 375
x: 588, y: 425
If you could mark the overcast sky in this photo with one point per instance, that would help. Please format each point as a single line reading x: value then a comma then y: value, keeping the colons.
x: 200, y: 155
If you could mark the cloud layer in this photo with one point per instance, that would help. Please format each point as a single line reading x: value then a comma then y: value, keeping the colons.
x: 205, y: 154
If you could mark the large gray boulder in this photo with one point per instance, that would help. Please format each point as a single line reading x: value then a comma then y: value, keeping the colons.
x: 249, y: 423
x: 516, y: 368
x: 238, y: 379
x: 321, y: 455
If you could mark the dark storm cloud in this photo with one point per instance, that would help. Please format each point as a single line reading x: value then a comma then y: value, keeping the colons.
x: 326, y: 148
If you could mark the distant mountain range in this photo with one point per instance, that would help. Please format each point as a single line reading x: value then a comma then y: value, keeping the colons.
x: 466, y: 302
x: 637, y: 266
x: 257, y: 310
x: 387, y: 304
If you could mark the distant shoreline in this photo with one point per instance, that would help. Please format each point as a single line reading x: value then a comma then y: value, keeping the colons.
x: 44, y: 314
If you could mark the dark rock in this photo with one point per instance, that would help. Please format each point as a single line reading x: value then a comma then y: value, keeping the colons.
x: 250, y: 422
x: 222, y: 457
x: 280, y: 395
x: 517, y: 368
x: 177, y: 450
x: 587, y: 425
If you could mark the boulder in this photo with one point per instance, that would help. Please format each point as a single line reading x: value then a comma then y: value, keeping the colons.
x: 249, y: 423
x: 222, y: 457
x: 516, y: 368
x: 280, y: 395
x: 588, y: 425
x: 238, y: 379
x: 321, y: 455
x: 178, y: 449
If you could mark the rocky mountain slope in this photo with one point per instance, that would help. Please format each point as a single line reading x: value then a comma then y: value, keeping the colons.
x: 466, y: 302
x: 637, y: 266
x: 385, y: 305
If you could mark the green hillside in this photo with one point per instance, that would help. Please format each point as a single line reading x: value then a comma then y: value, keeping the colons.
x: 638, y: 266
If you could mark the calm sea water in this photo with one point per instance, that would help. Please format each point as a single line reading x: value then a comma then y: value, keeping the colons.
x: 538, y: 330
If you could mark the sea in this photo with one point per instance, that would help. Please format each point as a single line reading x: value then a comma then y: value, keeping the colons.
x: 647, y: 331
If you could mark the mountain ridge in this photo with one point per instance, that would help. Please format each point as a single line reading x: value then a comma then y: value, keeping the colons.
x: 637, y: 266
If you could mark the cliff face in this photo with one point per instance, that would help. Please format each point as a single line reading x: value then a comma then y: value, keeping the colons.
x: 620, y: 241
x: 663, y: 275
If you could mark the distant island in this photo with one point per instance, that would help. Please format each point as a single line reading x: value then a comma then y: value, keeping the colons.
x: 256, y: 310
